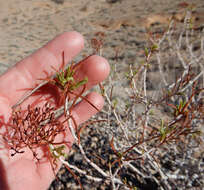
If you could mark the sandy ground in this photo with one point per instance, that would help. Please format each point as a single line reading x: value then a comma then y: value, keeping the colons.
x: 27, y: 25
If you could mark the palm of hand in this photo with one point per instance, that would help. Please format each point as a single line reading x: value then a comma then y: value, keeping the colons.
x: 20, y: 171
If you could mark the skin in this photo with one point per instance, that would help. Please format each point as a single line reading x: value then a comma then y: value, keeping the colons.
x: 20, y: 171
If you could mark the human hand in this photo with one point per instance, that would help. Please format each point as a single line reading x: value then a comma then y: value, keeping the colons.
x: 20, y: 171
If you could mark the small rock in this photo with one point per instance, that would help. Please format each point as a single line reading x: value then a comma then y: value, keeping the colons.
x: 58, y: 1
x: 113, y: 1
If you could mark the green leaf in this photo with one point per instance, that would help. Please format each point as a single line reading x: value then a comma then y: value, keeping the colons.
x: 58, y: 151
x: 163, y: 131
x: 115, y: 102
x: 146, y: 52
x: 154, y: 47
x: 80, y: 83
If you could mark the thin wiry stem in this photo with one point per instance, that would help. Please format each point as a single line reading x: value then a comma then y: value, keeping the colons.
x: 27, y: 95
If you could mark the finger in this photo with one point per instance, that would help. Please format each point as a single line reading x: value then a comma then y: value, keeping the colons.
x: 85, y: 109
x: 95, y: 68
x: 25, y: 73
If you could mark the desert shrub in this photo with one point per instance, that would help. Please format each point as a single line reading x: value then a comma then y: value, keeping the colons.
x: 153, y: 119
